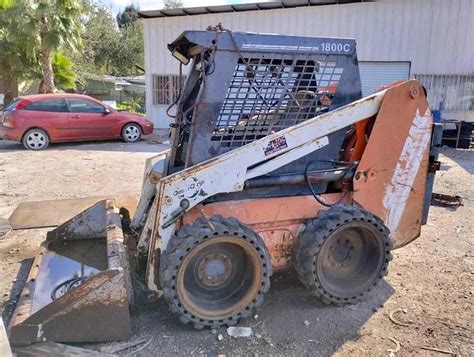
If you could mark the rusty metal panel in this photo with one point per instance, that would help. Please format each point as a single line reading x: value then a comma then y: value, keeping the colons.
x: 100, y: 302
x: 277, y: 220
x: 89, y: 224
x: 280, y: 241
x: 80, y: 279
x: 50, y: 213
x: 391, y: 177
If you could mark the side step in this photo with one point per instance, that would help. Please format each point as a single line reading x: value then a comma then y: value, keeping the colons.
x: 79, y: 287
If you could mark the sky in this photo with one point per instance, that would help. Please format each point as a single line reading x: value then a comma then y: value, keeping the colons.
x: 117, y: 5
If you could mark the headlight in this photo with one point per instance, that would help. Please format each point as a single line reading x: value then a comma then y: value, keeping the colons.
x: 180, y: 57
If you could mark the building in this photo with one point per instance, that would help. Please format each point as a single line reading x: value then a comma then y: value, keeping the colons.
x: 431, y: 40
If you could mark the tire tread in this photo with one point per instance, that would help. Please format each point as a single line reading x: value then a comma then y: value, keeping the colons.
x: 189, y: 236
x: 313, y: 236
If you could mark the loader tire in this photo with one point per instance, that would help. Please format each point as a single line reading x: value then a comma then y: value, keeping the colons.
x: 342, y: 254
x: 215, y: 272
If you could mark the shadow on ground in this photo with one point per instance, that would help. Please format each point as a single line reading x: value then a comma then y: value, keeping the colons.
x: 109, y: 145
x: 278, y: 330
x: 464, y: 158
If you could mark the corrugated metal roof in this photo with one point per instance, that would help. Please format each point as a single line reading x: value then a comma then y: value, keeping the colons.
x: 190, y: 11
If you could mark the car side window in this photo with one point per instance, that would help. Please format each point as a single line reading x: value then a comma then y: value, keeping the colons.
x: 79, y: 105
x: 56, y: 105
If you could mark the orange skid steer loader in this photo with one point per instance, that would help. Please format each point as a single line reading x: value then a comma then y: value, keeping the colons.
x: 276, y: 161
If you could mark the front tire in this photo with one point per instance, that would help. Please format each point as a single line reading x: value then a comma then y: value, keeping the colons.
x: 342, y: 254
x: 215, y: 272
x: 35, y: 139
x: 131, y: 133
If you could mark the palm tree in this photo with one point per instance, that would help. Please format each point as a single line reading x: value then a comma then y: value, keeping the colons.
x: 64, y: 77
x: 5, y: 4
x: 16, y: 54
x: 58, y: 27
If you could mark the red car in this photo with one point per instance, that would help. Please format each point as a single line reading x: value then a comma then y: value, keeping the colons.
x: 37, y: 120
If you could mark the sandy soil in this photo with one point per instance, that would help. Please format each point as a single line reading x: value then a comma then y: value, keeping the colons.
x: 430, y: 279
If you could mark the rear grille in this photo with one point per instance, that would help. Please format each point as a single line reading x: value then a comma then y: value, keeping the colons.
x: 267, y: 95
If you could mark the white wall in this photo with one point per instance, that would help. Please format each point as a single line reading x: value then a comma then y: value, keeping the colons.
x: 436, y: 36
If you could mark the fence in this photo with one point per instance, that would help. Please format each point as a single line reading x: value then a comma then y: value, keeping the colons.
x: 125, y: 95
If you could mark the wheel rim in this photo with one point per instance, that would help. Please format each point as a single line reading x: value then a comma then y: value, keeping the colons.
x: 132, y: 133
x: 36, y: 140
x: 350, y: 260
x: 219, y: 278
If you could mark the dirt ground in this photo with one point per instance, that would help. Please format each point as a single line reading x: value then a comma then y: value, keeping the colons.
x: 431, y: 280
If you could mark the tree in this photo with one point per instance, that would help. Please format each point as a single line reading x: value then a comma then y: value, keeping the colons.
x: 107, y: 49
x: 173, y: 4
x: 31, y: 51
x: 5, y: 4
x: 16, y: 54
x: 58, y: 27
x: 99, y: 43
x: 128, y: 16
x: 64, y: 76
x: 130, y: 49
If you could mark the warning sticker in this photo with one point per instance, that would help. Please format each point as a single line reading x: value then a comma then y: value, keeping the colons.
x: 275, y: 145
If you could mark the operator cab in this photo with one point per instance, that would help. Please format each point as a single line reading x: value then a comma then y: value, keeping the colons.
x: 241, y: 87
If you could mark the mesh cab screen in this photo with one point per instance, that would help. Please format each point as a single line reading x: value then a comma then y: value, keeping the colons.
x: 270, y: 94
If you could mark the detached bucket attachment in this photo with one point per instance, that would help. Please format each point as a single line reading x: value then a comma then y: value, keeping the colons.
x: 79, y: 287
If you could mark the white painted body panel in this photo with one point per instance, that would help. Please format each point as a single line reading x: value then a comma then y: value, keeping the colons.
x: 398, y: 191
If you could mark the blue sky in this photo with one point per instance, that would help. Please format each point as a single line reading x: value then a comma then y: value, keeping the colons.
x: 117, y: 5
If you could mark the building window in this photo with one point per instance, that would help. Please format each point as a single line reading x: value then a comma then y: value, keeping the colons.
x: 166, y: 88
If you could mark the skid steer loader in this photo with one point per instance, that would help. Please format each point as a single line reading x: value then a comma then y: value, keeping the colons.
x: 276, y: 161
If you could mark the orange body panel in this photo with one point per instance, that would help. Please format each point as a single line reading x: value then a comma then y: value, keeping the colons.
x: 391, y: 177
x: 361, y: 141
x: 277, y: 220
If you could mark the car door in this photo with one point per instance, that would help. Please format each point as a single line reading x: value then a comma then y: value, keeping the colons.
x: 89, y: 120
x: 48, y: 114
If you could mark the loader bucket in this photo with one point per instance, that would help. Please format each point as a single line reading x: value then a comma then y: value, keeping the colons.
x: 79, y: 287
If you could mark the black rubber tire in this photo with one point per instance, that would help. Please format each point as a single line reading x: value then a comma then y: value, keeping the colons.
x: 42, y: 133
x: 329, y: 223
x: 129, y: 139
x: 191, y: 236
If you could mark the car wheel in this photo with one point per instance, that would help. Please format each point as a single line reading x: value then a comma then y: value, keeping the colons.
x: 131, y: 133
x: 35, y: 139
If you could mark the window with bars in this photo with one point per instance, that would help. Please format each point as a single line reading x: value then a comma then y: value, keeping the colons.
x: 267, y: 95
x: 166, y: 88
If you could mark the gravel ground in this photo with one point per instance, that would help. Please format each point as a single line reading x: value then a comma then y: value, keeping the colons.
x: 431, y: 279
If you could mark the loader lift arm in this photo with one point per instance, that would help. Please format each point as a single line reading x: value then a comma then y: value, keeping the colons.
x: 181, y: 191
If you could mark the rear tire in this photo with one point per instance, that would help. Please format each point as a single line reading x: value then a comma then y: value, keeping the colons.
x: 35, y: 139
x: 342, y: 254
x: 215, y: 272
x: 131, y: 133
